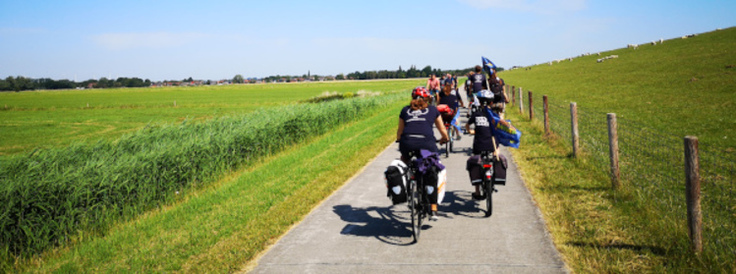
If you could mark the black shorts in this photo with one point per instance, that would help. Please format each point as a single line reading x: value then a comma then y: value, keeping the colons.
x: 408, y: 144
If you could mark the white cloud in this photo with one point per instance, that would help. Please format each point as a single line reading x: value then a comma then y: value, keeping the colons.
x: 536, y: 6
x: 151, y: 40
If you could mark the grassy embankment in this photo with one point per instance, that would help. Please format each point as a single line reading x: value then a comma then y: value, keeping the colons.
x: 45, y: 119
x: 660, y: 93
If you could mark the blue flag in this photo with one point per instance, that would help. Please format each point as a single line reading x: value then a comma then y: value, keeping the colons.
x: 505, y: 133
x: 487, y: 64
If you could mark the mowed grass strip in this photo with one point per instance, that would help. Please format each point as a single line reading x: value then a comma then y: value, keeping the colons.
x: 221, y: 228
x: 597, y: 229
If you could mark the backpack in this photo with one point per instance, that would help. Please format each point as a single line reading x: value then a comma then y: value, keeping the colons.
x: 396, y: 177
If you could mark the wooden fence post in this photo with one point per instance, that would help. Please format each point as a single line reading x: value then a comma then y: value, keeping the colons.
x: 574, y: 127
x: 546, y: 115
x: 531, y: 109
x: 613, y: 150
x: 521, y: 102
x: 513, y: 95
x: 692, y: 187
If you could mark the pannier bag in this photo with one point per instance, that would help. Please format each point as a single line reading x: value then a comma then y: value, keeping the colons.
x: 499, y: 170
x: 435, y: 183
x: 475, y: 169
x: 396, y: 179
x: 433, y: 173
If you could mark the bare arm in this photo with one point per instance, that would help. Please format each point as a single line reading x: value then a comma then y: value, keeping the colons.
x: 400, y: 130
x: 441, y: 127
x: 467, y: 129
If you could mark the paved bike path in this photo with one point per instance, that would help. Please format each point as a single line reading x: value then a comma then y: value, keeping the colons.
x: 357, y: 230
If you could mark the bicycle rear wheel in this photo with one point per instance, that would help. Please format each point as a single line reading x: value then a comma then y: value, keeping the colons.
x: 414, y: 209
x: 489, y: 197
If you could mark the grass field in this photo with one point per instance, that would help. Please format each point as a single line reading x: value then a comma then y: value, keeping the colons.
x: 64, y: 195
x: 222, y: 227
x: 660, y: 94
x: 44, y: 119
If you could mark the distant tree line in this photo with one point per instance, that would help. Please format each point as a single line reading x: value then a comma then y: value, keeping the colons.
x: 412, y: 72
x: 20, y: 83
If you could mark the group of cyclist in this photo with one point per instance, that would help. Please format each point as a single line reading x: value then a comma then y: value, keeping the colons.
x: 416, y: 120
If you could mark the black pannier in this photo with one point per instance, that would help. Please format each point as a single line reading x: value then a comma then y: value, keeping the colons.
x: 499, y: 170
x: 475, y: 169
x: 396, y: 178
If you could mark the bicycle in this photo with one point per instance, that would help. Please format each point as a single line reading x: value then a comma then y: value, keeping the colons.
x: 451, y: 134
x: 418, y: 197
x: 487, y: 186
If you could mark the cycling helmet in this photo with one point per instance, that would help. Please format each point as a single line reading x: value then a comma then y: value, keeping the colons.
x: 485, y: 97
x: 419, y: 92
x: 442, y: 108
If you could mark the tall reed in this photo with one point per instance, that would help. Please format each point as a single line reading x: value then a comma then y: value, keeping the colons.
x: 49, y: 196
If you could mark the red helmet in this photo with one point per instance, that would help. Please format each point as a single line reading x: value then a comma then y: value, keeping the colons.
x: 419, y: 92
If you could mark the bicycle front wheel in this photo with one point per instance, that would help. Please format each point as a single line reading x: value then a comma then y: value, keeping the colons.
x: 448, y: 145
x: 489, y: 198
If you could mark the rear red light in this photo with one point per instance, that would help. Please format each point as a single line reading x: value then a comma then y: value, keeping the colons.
x: 487, y: 166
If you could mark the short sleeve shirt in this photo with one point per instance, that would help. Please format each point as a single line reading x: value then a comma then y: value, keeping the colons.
x: 418, y: 123
x: 479, y: 81
x: 483, y: 132
x: 450, y: 100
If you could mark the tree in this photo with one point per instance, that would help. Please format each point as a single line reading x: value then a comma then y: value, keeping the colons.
x: 238, y: 79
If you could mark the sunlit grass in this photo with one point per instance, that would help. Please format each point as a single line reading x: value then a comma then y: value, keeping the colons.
x: 660, y: 94
x: 222, y: 227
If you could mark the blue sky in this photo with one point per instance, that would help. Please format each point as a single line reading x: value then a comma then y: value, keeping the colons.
x: 162, y: 40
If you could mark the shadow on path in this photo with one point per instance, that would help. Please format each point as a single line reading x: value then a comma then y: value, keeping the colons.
x: 392, y: 224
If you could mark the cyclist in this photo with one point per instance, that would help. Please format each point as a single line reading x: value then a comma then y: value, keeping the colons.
x: 469, y: 87
x: 483, y: 140
x: 451, y: 97
x: 433, y: 85
x: 479, y: 80
x: 499, y: 92
x: 415, y: 128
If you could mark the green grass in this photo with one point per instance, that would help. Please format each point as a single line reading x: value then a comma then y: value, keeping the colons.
x: 660, y: 94
x: 682, y: 86
x: 46, y: 119
x: 51, y: 194
x: 222, y: 227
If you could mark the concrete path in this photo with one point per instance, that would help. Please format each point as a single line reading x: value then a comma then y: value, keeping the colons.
x: 357, y: 230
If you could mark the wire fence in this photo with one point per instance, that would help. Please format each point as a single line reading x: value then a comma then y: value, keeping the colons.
x: 652, y: 164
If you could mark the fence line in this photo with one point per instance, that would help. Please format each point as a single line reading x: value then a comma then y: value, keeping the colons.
x: 651, y: 162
